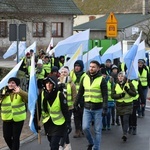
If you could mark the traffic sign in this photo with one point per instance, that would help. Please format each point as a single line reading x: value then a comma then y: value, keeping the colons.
x: 111, y: 26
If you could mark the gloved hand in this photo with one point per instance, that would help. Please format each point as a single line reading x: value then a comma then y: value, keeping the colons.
x: 69, y: 128
x: 122, y: 95
x: 61, y: 86
x: 126, y: 89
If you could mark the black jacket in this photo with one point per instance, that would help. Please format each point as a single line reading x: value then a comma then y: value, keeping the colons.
x: 50, y: 128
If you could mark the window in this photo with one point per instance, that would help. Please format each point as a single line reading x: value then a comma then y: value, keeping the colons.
x: 39, y: 29
x: 57, y: 29
x: 3, y: 29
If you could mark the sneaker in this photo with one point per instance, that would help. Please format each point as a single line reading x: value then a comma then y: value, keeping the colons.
x: 130, y: 130
x: 67, y: 147
x: 118, y: 123
x: 61, y: 148
x: 90, y: 147
x: 124, y: 137
x: 113, y: 123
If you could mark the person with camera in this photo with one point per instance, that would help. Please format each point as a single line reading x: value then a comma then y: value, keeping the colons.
x: 13, y: 112
x: 123, y: 92
x: 53, y: 108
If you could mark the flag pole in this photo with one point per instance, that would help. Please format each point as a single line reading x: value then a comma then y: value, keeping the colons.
x: 38, y: 123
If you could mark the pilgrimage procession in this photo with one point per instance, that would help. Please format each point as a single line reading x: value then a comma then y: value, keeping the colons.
x: 74, y: 94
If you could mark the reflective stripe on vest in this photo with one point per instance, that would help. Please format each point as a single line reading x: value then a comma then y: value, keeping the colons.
x: 54, y: 111
x: 109, y: 91
x: 47, y: 67
x: 13, y: 109
x: 41, y: 74
x: 69, y: 95
x: 119, y: 90
x: 92, y: 92
x: 135, y: 84
x: 74, y: 78
x: 143, y: 78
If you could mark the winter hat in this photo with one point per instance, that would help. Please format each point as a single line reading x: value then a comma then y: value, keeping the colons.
x: 141, y: 60
x: 103, y: 71
x: 16, y: 80
x: 114, y: 67
x: 51, y: 79
x: 40, y: 61
x: 79, y: 63
x: 108, y: 60
x: 54, y: 69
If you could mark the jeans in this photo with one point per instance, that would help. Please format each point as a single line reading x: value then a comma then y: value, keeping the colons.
x: 88, y: 117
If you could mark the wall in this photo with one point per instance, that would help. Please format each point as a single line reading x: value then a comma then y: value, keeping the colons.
x: 44, y: 41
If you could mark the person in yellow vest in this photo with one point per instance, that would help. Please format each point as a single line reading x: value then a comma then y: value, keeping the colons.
x: 144, y: 77
x: 139, y: 98
x: 40, y: 74
x: 70, y: 92
x: 77, y: 74
x: 46, y: 64
x: 13, y: 112
x: 94, y: 89
x: 123, y: 92
x: 111, y: 104
x: 53, y: 108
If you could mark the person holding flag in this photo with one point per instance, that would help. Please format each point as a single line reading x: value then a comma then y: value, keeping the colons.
x: 53, y: 108
x: 13, y: 112
x: 123, y: 92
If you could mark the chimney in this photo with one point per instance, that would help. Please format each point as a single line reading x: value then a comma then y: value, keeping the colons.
x: 145, y: 7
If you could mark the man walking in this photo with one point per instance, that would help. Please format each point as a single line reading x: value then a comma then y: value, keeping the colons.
x: 94, y: 88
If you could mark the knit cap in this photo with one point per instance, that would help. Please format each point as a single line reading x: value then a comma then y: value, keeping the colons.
x: 16, y: 80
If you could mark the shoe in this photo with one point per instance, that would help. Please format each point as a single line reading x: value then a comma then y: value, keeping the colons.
x: 61, y: 148
x: 104, y: 129
x: 67, y: 147
x: 108, y: 128
x: 118, y: 123
x: 130, y: 130
x: 134, y: 131
x: 113, y: 123
x: 124, y: 137
x: 90, y: 147
x: 77, y: 134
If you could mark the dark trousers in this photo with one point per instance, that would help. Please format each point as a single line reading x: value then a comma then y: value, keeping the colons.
x: 133, y: 117
x: 65, y: 138
x: 125, y: 123
x: 54, y: 142
x: 78, y: 115
x: 11, y: 133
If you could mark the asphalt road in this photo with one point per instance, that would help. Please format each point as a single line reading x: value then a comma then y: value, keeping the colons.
x: 111, y: 140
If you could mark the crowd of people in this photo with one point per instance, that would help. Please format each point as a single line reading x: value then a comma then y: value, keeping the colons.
x: 101, y: 97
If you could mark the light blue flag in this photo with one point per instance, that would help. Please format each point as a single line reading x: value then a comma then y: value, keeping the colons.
x: 33, y: 47
x: 32, y: 94
x: 11, y: 50
x: 12, y: 73
x: 22, y: 47
x: 93, y: 54
x: 129, y: 59
x: 113, y: 52
x: 71, y: 44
